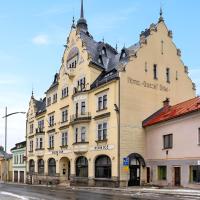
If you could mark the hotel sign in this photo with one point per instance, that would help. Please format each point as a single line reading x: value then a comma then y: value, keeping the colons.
x: 154, y: 86
x: 101, y: 148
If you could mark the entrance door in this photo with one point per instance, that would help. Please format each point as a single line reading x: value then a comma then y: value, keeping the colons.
x: 21, y: 175
x: 134, y: 175
x: 16, y: 176
x: 148, y: 174
x: 177, y: 176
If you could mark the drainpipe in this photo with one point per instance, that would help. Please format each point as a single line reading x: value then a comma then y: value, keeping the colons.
x: 117, y: 109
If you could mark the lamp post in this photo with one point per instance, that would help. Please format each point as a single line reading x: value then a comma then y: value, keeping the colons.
x: 6, y: 116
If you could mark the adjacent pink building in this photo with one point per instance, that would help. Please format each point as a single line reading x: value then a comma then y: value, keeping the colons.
x: 173, y: 144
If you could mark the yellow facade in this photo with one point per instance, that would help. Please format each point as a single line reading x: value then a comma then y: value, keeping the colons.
x: 130, y: 92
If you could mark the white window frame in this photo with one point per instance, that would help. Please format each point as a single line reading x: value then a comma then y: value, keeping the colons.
x: 64, y: 138
x: 102, y: 124
x: 102, y: 96
x: 51, y: 141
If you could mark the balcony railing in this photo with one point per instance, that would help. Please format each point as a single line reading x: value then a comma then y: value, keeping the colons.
x: 80, y: 117
x: 71, y: 72
x: 39, y: 130
x: 80, y: 147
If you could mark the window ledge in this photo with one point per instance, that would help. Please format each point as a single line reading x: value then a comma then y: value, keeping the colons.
x: 77, y: 143
x: 64, y: 97
x: 101, y: 141
x: 64, y: 146
x: 167, y: 148
x: 41, y: 149
x: 99, y: 110
x: 50, y: 148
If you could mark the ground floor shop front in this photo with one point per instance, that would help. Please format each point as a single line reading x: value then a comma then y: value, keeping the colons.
x: 101, y: 169
x: 181, y: 173
x: 19, y: 175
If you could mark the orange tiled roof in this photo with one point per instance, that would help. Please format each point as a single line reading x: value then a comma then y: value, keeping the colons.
x: 171, y: 112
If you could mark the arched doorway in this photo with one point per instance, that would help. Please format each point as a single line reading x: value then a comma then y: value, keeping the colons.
x: 82, y: 167
x: 135, y: 163
x: 31, y: 167
x: 51, y: 167
x: 64, y: 168
x: 41, y: 167
x: 103, y: 167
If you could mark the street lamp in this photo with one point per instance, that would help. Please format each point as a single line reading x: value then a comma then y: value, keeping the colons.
x: 6, y: 116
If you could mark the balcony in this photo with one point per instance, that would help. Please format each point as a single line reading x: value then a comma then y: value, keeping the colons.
x: 71, y: 72
x: 80, y: 117
x: 39, y: 130
x: 80, y: 147
x: 39, y: 152
x: 80, y: 89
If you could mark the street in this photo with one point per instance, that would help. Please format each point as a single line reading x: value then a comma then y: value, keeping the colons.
x: 26, y: 192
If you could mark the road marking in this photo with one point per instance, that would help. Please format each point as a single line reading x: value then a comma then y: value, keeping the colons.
x: 13, y: 195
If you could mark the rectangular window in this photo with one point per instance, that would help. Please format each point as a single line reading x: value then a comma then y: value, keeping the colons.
x: 168, y: 75
x: 51, y: 120
x: 162, y: 173
x: 195, y: 173
x: 55, y: 98
x: 83, y: 134
x: 31, y: 145
x: 155, y: 71
x: 48, y: 101
x: 37, y: 143
x: 76, y: 135
x: 168, y: 141
x: 41, y: 143
x: 51, y: 141
x: 102, y: 102
x: 83, y: 108
x: 31, y: 128
x: 64, y: 115
x: 64, y: 138
x: 41, y: 124
x: 64, y: 92
x: 102, y: 131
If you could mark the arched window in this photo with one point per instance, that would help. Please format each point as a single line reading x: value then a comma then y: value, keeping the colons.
x: 40, y: 166
x: 82, y: 167
x: 31, y: 166
x: 103, y: 167
x: 52, y: 167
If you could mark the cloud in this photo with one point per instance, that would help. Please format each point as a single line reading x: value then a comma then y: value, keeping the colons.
x: 41, y: 39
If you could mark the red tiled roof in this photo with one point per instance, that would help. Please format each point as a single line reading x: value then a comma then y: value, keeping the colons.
x: 171, y: 112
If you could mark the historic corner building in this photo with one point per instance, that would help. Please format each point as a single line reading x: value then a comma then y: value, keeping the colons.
x: 91, y: 117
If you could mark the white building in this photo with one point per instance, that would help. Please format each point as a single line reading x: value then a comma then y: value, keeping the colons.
x: 19, y: 165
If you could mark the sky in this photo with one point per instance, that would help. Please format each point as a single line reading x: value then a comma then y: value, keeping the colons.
x: 33, y: 32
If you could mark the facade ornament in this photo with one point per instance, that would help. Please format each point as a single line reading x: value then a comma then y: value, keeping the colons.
x: 178, y: 52
x: 161, y: 19
x: 186, y: 69
x: 153, y: 27
x: 170, y: 34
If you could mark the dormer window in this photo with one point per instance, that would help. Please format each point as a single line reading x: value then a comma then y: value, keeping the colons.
x: 100, y: 60
x: 123, y: 54
x: 103, y: 51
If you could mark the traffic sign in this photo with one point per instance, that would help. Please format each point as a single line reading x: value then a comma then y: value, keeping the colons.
x: 126, y: 161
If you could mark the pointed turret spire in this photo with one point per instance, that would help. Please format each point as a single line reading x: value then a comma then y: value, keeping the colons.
x: 32, y: 96
x: 82, y: 10
x: 161, y: 19
x: 73, y: 23
x: 82, y: 23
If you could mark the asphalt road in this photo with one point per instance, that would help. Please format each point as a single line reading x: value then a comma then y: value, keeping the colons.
x: 26, y: 192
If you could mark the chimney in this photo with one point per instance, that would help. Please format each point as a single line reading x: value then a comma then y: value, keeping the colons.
x: 166, y: 103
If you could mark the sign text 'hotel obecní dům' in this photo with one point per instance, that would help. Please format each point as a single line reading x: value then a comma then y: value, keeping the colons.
x: 145, y: 84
